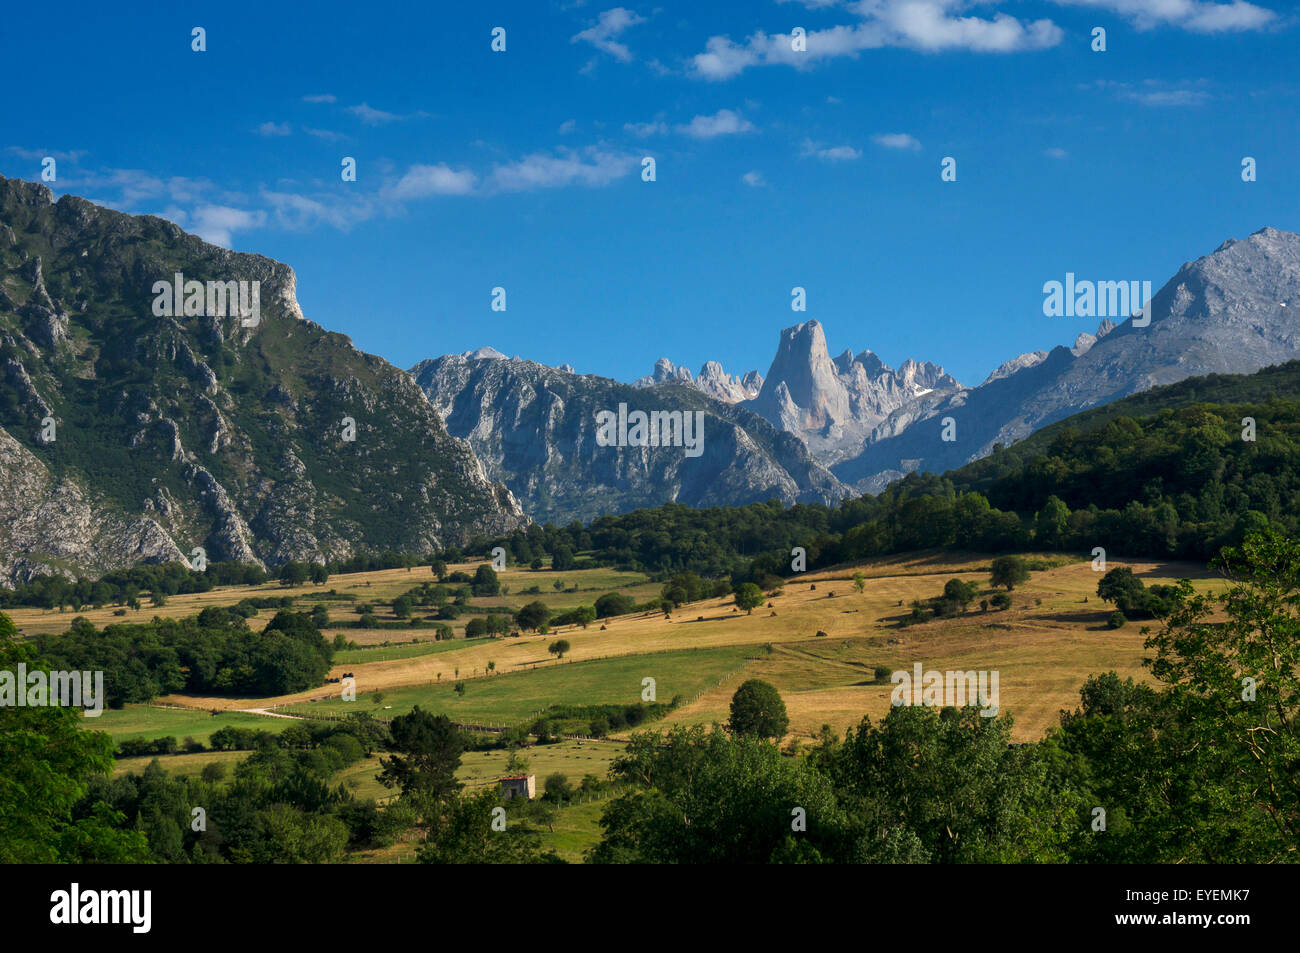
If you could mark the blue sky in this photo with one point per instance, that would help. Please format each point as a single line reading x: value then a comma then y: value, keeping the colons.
x: 820, y: 169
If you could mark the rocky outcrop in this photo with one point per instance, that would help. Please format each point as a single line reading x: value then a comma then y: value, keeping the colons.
x: 833, y: 405
x: 712, y: 380
x: 258, y: 441
x: 535, y: 430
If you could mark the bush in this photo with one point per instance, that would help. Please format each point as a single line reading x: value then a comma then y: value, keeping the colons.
x: 1001, y: 600
x: 614, y: 603
x: 1009, y: 571
x: 882, y: 673
x: 1116, y: 620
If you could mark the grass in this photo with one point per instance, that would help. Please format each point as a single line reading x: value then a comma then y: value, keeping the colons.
x: 181, y: 765
x: 149, y: 722
x: 389, y: 653
x: 1044, y: 647
x: 518, y: 697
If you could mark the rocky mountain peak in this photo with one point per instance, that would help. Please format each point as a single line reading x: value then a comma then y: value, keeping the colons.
x: 833, y: 404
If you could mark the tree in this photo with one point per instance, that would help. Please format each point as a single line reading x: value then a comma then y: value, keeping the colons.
x: 439, y: 569
x: 758, y: 711
x: 1051, y: 523
x: 486, y: 582
x: 1009, y: 571
x: 558, y: 788
x: 533, y: 616
x: 703, y: 797
x: 859, y: 581
x: 614, y: 603
x: 960, y: 592
x: 476, y: 628
x: 49, y: 765
x: 558, y: 647
x: 1236, y: 686
x: 427, y: 750
x: 319, y: 574
x: 749, y: 597
x: 294, y: 574
x: 462, y: 832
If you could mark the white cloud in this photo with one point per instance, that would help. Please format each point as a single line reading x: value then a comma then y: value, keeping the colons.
x: 568, y: 126
x: 724, y: 122
x: 421, y: 181
x: 218, y: 223
x: 301, y: 211
x: 609, y: 25
x: 378, y: 117
x: 1198, y: 16
x: 1156, y: 93
x: 36, y: 155
x: 1055, y: 153
x: 644, y: 129
x: 320, y: 98
x: 926, y: 25
x: 325, y: 134
x: 896, y: 140
x: 832, y: 153
x: 754, y: 179
x: 592, y: 167
x: 273, y: 129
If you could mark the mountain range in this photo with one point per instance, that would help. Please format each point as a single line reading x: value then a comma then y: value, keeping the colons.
x: 127, y: 437
x: 128, y: 434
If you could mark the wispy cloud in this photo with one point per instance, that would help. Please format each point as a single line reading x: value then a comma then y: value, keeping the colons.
x: 754, y: 179
x: 215, y: 223
x: 36, y: 155
x: 927, y: 25
x: 610, y: 25
x: 1197, y: 16
x: 320, y: 98
x: 422, y: 181
x: 724, y: 122
x: 271, y: 129
x: 325, y: 134
x: 645, y: 129
x: 896, y: 140
x: 1055, y: 153
x: 1156, y: 93
x: 378, y: 117
x: 830, y: 153
x: 592, y: 167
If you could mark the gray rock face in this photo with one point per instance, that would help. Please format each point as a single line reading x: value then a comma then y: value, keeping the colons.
x: 1231, y: 312
x: 534, y: 428
x: 185, y: 431
x: 1019, y: 363
x: 834, y: 405
x: 717, y: 383
x: 712, y: 380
